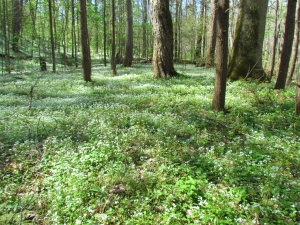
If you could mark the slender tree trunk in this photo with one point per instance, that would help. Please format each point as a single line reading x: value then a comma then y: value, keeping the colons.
x: 232, y: 23
x: 104, y: 32
x: 287, y: 44
x: 85, y: 44
x: 295, y: 47
x: 6, y: 36
x: 246, y: 56
x: 129, y: 36
x: 177, y: 30
x: 52, y: 37
x: 210, y: 55
x: 64, y: 36
x: 97, y: 36
x: 204, y: 29
x: 33, y: 11
x: 113, y: 39
x: 145, y: 18
x: 162, y: 30
x: 275, y: 40
x: 73, y: 30
x: 199, y: 41
x: 16, y: 24
x: 218, y: 103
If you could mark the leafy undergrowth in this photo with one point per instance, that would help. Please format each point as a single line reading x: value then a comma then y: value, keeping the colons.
x: 133, y: 150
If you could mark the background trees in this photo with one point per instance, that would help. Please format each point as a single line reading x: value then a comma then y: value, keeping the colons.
x: 27, y: 26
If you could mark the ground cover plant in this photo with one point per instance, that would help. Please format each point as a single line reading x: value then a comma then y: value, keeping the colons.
x: 134, y: 150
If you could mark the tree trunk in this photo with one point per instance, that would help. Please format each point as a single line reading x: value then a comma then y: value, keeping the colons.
x: 145, y: 18
x: 177, y: 31
x: 129, y: 36
x: 16, y: 24
x: 222, y: 10
x: 6, y: 36
x: 104, y: 32
x: 287, y: 44
x: 163, y: 65
x: 52, y: 37
x: 113, y: 39
x: 246, y: 57
x: 275, y: 40
x: 232, y: 23
x: 204, y: 29
x: 295, y: 47
x: 210, y: 55
x: 85, y: 44
x: 74, y: 39
x: 199, y: 50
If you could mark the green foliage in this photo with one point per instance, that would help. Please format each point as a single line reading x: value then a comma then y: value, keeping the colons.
x: 134, y: 150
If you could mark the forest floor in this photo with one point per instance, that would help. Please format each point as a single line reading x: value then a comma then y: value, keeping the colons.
x: 133, y: 150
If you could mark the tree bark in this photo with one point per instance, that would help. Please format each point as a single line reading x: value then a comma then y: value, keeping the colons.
x: 199, y: 50
x: 287, y: 44
x: 6, y: 36
x: 74, y: 39
x: 145, y: 18
x: 113, y: 39
x: 218, y: 103
x: 162, y: 30
x: 246, y: 57
x: 275, y: 40
x: 210, y: 55
x: 129, y: 36
x: 104, y: 32
x: 16, y: 24
x: 85, y: 44
x: 52, y: 37
x: 295, y: 47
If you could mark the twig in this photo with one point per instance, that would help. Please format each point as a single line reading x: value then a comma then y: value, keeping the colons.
x: 31, y: 91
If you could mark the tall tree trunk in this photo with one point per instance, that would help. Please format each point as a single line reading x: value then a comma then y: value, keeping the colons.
x: 232, y: 23
x: 6, y: 36
x: 210, y: 55
x: 145, y: 18
x: 162, y: 30
x: 218, y: 103
x: 177, y: 31
x: 97, y: 36
x: 52, y: 37
x: 295, y: 47
x: 204, y: 29
x: 246, y: 56
x: 17, y: 23
x: 113, y: 39
x: 64, y: 35
x: 275, y: 40
x: 73, y: 28
x: 287, y: 44
x: 129, y: 36
x: 104, y: 33
x: 85, y: 44
x: 33, y: 11
x: 199, y: 41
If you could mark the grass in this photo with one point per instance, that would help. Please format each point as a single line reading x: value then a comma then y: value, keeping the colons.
x: 134, y: 150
